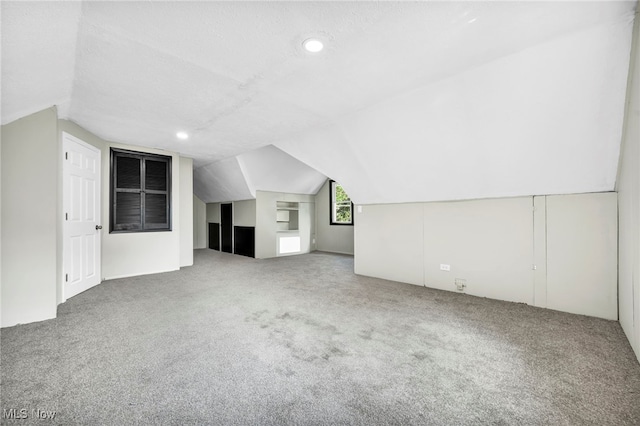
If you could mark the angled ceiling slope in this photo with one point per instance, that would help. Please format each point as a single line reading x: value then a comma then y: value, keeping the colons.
x: 546, y: 119
x: 410, y: 101
x: 265, y: 169
x: 38, y: 56
x: 221, y: 181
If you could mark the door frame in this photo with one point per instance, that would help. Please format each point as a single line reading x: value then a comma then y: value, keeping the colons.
x: 67, y: 136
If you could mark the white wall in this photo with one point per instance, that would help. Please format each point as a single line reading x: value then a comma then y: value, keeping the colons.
x: 628, y: 187
x: 140, y: 253
x: 493, y: 246
x: 389, y: 242
x: 488, y: 243
x: 0, y: 229
x: 331, y: 238
x: 82, y: 134
x: 244, y: 213
x: 186, y: 211
x: 213, y: 212
x: 130, y: 254
x: 582, y: 255
x: 307, y: 224
x: 199, y: 223
x: 30, y: 217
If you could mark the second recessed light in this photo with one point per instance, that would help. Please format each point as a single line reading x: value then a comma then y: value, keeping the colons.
x: 312, y: 45
x: 182, y: 135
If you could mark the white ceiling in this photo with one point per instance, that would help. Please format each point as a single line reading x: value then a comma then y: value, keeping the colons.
x: 410, y: 101
x: 264, y: 169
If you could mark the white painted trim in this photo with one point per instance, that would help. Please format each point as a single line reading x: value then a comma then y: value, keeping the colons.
x: 28, y: 320
x: 333, y: 252
x: 117, y: 277
x: 81, y: 142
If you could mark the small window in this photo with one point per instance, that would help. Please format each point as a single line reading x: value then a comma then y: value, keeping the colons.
x: 140, y: 192
x: 341, y: 206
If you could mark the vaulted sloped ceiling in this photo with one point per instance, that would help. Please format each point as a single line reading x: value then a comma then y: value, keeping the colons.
x: 265, y: 169
x: 409, y: 101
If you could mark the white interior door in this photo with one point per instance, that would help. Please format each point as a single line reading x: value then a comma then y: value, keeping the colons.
x: 81, y: 215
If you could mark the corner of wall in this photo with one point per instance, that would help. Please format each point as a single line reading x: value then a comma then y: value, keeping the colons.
x: 29, y: 156
x: 199, y: 223
x: 1, y: 227
x: 331, y: 238
x: 186, y: 212
x: 628, y: 187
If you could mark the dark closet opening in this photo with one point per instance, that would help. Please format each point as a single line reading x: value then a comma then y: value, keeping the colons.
x: 245, y: 240
x: 214, y: 236
x: 226, y: 219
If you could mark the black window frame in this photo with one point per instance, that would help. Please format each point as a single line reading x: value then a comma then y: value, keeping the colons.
x: 143, y: 157
x: 332, y: 203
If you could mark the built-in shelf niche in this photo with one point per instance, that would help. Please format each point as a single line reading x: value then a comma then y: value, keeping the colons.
x: 287, y: 215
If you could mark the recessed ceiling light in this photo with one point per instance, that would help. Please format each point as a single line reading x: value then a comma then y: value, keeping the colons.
x: 312, y: 45
x: 182, y: 135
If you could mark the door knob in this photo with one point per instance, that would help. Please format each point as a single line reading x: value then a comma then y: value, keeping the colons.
x: 98, y: 227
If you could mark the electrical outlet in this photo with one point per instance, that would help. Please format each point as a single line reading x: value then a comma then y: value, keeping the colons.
x: 445, y: 267
x: 461, y: 284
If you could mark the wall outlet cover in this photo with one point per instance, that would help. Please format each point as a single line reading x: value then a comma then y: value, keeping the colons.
x: 445, y: 267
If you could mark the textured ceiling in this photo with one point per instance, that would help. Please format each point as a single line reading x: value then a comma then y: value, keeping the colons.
x: 410, y: 101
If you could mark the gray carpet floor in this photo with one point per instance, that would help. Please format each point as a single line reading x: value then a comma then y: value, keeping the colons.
x: 302, y: 340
